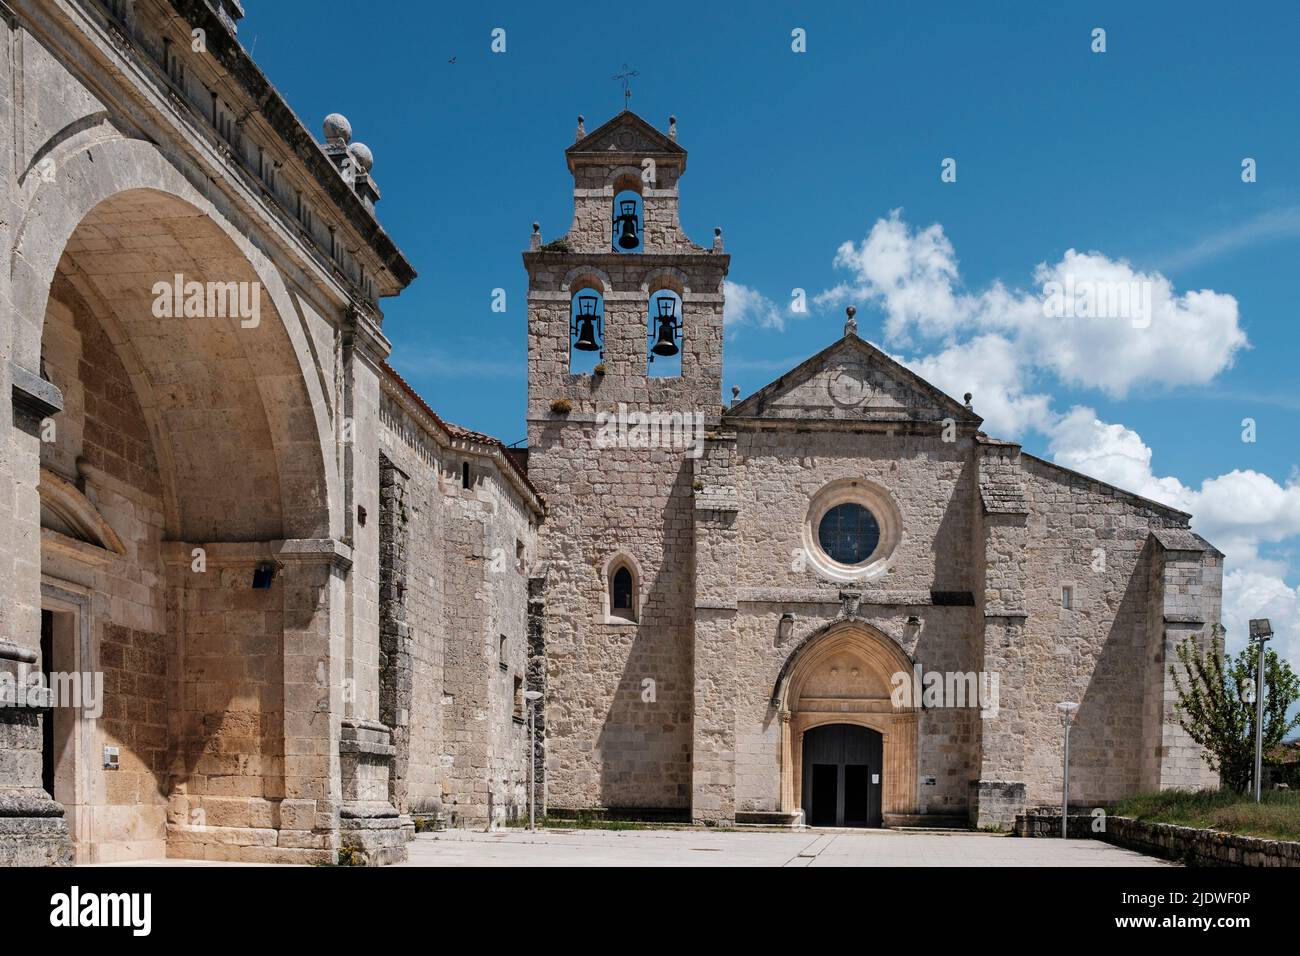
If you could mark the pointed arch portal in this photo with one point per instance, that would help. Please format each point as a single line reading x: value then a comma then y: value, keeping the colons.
x: 833, y: 698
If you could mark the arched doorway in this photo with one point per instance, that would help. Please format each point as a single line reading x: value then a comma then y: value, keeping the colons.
x: 834, y: 700
x: 843, y: 764
x: 194, y: 447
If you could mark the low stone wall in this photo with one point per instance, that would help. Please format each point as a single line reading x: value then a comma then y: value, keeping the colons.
x: 1040, y: 824
x: 1187, y: 845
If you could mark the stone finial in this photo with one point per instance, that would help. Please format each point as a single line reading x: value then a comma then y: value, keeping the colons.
x: 535, y: 240
x: 735, y: 394
x: 338, y: 131
x: 362, y: 156
x: 717, y: 238
x: 672, y: 128
x: 967, y: 399
x: 851, y: 325
x: 582, y: 129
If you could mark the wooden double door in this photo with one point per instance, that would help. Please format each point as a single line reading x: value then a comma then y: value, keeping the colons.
x: 843, y: 769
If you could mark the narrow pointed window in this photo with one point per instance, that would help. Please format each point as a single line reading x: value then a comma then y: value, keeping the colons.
x: 622, y: 594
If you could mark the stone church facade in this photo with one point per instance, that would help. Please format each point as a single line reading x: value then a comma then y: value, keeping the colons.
x: 310, y: 610
x: 843, y: 528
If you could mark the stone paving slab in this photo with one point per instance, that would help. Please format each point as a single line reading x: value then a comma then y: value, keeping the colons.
x: 761, y: 848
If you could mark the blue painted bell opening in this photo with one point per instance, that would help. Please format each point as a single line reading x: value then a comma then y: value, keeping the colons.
x: 664, y: 327
x: 628, y: 221
x: 849, y: 533
x: 586, y: 330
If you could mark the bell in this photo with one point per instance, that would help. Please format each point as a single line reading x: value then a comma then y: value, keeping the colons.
x: 627, y: 238
x: 627, y: 224
x: 664, y: 344
x: 586, y: 341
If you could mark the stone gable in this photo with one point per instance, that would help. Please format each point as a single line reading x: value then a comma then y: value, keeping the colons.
x: 626, y: 133
x: 852, y: 381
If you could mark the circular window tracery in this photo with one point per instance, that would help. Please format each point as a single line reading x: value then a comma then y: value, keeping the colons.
x: 852, y: 530
x: 849, y: 533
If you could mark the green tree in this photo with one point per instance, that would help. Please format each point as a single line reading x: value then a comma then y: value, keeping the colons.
x: 1216, y: 705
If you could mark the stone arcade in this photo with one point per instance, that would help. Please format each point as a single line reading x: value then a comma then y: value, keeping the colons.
x: 316, y: 607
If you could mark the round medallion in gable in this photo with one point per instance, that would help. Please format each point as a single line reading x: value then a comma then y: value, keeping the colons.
x: 847, y: 386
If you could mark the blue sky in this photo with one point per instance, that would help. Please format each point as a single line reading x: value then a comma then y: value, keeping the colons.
x: 1132, y: 155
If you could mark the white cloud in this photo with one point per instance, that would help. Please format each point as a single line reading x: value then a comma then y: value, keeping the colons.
x: 1114, y: 454
x: 1140, y: 331
x: 747, y: 306
x: 1237, y: 512
x: 1249, y: 594
x: 913, y: 276
x: 1092, y: 321
x: 989, y: 368
x: 1267, y: 226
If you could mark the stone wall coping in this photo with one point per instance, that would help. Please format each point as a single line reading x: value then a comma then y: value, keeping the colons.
x: 248, y: 553
x: 831, y: 595
x: 262, y: 97
x: 451, y: 436
x: 10, y: 651
x: 39, y: 397
x: 1202, y: 846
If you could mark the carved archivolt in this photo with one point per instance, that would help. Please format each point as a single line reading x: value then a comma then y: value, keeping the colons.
x: 68, y: 512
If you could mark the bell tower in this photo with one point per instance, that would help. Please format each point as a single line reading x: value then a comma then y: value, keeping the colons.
x: 624, y: 381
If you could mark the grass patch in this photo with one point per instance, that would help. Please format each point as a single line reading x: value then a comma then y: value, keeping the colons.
x: 1277, y: 817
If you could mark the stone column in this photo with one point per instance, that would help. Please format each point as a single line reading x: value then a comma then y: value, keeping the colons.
x: 33, y: 830
x: 313, y: 580
x: 787, y: 765
x: 998, y: 794
x: 713, y: 753
x: 395, y: 636
x: 1185, y: 583
x: 537, y: 681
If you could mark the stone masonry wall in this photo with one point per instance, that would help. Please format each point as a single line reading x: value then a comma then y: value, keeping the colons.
x: 466, y: 589
x: 612, y: 739
x: 1088, y: 537
x: 777, y: 473
x: 415, y: 453
x: 102, y: 447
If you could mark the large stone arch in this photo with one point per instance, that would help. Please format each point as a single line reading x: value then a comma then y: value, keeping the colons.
x: 234, y: 734
x: 268, y: 372
x: 843, y: 673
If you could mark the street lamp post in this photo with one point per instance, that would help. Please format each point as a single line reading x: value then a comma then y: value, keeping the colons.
x: 1067, y: 709
x: 532, y: 696
x: 1260, y: 631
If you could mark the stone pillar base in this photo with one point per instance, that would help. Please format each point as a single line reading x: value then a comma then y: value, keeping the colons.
x: 371, y: 831
x: 371, y: 835
x: 995, y: 803
x: 250, y: 845
x: 33, y: 831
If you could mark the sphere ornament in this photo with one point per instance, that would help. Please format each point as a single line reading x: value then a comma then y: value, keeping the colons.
x: 362, y: 156
x: 337, y: 127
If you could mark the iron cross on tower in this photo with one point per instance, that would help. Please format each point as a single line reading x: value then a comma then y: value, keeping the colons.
x: 625, y: 76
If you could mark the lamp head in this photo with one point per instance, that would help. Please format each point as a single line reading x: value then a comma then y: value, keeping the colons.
x: 1261, y: 629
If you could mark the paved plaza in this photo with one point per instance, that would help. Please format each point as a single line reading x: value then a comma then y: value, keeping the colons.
x: 759, y: 848
x: 698, y: 847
